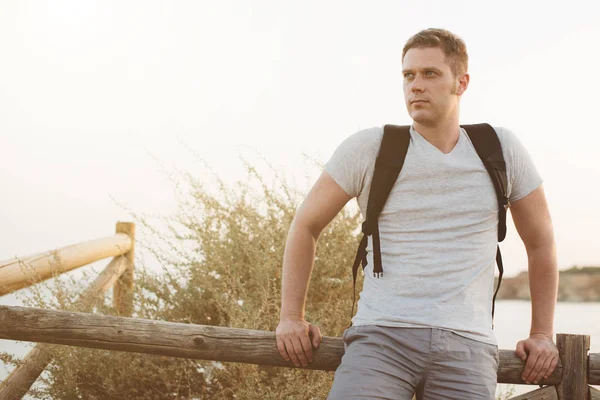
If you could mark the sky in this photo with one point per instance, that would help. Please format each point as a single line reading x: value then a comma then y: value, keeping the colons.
x: 96, y: 95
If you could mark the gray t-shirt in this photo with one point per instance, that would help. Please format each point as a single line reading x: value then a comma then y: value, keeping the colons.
x: 438, y: 230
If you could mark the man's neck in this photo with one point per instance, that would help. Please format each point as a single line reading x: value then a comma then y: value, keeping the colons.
x: 444, y: 135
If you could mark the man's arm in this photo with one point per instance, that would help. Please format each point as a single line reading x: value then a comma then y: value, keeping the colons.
x: 534, y: 225
x: 322, y: 204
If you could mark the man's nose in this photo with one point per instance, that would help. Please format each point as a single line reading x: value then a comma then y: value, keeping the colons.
x: 417, y: 85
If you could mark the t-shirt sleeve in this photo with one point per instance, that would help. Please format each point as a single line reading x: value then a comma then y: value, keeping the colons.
x: 523, y: 176
x: 354, y: 159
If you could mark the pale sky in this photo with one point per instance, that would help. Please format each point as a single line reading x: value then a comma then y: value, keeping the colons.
x: 91, y: 91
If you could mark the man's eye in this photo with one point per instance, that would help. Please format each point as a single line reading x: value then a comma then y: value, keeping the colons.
x: 429, y: 73
x: 408, y: 75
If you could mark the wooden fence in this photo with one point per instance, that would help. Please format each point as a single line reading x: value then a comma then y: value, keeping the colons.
x: 570, y: 380
x: 21, y: 273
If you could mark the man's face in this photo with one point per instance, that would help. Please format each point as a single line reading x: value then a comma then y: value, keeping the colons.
x: 431, y: 91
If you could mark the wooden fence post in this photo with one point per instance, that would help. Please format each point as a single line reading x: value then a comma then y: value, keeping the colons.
x: 573, y: 351
x: 123, y: 289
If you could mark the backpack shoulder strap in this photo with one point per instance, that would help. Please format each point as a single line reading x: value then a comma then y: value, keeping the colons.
x: 488, y: 147
x: 388, y: 164
x: 486, y: 143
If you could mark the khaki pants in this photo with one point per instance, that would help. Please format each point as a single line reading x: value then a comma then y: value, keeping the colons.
x: 397, y: 363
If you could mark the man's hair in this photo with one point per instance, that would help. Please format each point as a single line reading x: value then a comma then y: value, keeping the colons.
x: 454, y: 47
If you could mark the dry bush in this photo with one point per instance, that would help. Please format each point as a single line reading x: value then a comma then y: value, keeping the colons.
x: 221, y: 260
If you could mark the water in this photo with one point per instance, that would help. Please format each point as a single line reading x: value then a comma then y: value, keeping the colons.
x: 512, y: 325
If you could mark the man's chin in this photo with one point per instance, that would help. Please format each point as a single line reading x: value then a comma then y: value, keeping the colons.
x: 421, y: 118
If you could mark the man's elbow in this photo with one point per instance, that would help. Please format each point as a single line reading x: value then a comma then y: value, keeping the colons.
x: 303, y: 227
x: 542, y: 256
x: 540, y: 244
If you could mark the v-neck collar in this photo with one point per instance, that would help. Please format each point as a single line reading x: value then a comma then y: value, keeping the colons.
x: 434, y: 148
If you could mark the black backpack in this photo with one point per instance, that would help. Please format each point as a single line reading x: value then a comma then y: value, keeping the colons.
x: 388, y: 164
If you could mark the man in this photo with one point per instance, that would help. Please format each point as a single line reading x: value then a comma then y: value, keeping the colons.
x: 425, y: 327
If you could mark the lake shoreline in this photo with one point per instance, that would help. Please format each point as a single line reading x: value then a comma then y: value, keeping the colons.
x: 576, y: 285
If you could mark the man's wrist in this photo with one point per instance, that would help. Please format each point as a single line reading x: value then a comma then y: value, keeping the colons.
x: 538, y: 333
x: 291, y: 316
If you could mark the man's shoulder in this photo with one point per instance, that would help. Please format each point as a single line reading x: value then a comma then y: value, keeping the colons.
x: 505, y: 135
x: 368, y: 135
x: 365, y: 140
x: 509, y: 141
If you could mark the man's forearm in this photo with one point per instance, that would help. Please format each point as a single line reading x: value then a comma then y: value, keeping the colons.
x: 298, y: 260
x: 543, y: 284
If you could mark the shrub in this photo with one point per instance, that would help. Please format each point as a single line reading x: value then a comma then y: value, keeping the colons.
x: 220, y: 262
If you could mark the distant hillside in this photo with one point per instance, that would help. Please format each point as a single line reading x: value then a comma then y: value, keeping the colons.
x: 576, y: 284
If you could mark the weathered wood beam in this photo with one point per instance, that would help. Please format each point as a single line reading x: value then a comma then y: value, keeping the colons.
x: 545, y: 393
x: 20, y: 380
x: 154, y: 337
x: 594, y: 369
x: 123, y: 289
x: 594, y: 393
x: 17, y: 273
x: 573, y: 351
x: 104, y: 281
x: 183, y: 340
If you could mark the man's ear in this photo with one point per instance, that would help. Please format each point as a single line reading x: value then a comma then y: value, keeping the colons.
x: 463, y: 84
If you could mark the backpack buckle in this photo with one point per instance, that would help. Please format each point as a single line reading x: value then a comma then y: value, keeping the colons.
x: 377, y: 275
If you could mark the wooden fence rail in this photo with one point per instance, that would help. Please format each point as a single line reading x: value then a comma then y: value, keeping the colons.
x: 198, y: 341
x: 17, y: 274
x: 570, y: 379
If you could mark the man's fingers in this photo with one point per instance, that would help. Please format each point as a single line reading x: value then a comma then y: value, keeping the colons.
x: 289, y: 345
x: 282, y: 350
x: 541, y: 355
x: 538, y: 368
x: 299, y: 353
x: 544, y: 368
x: 529, y: 366
x: 295, y: 340
x: 317, y: 338
x: 520, y: 351
x: 553, y: 365
x: 306, y: 346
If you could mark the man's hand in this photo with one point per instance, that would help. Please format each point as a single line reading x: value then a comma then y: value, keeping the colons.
x: 295, y: 340
x: 541, y: 354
